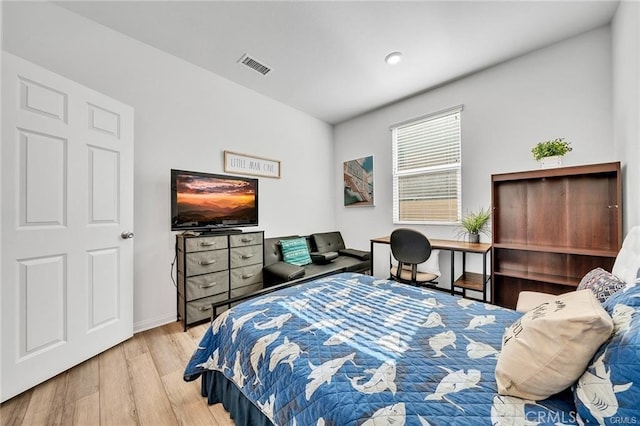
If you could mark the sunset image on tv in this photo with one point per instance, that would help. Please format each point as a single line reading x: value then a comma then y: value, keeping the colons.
x: 212, y: 201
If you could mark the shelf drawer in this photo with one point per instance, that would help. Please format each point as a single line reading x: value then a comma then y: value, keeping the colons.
x: 200, y: 309
x: 241, y: 291
x: 204, y: 262
x: 245, y: 276
x: 206, y: 285
x: 205, y: 243
x: 248, y: 239
x: 244, y: 256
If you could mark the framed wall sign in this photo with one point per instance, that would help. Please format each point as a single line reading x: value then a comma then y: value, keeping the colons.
x: 251, y: 165
x: 358, y: 182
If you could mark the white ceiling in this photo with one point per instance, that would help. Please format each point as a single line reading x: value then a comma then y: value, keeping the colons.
x: 327, y: 57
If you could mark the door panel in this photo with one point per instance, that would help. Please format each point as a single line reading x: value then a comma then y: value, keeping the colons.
x: 104, y: 191
x: 42, y: 171
x: 42, y: 304
x: 67, y: 195
x: 103, y: 296
x: 103, y: 120
x: 40, y: 99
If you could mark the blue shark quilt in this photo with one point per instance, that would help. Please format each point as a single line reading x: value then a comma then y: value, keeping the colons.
x: 351, y: 349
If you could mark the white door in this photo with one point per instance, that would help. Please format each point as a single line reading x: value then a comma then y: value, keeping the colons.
x: 67, y: 209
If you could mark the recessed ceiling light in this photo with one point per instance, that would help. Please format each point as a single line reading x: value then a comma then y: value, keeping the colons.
x: 393, y: 58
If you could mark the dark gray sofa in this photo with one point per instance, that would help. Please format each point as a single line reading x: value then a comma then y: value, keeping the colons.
x: 329, y: 255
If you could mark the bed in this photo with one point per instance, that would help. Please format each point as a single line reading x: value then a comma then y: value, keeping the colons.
x: 351, y: 349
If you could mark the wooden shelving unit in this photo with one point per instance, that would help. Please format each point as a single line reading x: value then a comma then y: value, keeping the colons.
x: 550, y: 227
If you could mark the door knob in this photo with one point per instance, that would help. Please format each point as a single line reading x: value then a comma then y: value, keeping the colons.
x: 126, y: 235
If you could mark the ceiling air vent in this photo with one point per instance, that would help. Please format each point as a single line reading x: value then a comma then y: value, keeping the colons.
x: 254, y: 65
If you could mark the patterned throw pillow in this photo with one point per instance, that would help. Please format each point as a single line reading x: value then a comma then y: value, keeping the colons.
x: 295, y: 251
x: 609, y: 390
x: 549, y: 347
x: 602, y: 283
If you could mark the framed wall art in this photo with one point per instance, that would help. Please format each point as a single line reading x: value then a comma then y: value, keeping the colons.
x: 358, y: 182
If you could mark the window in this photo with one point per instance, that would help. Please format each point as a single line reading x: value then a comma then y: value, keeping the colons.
x: 426, y: 169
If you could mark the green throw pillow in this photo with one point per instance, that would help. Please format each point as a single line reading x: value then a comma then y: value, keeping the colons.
x: 295, y: 251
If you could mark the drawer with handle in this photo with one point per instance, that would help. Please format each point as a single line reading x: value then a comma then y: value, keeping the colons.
x: 206, y: 285
x: 243, y: 256
x: 205, y: 243
x: 204, y: 262
x: 200, y: 309
x: 241, y: 291
x: 247, y: 275
x: 248, y: 239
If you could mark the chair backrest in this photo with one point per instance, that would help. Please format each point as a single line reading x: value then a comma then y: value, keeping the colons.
x: 627, y: 262
x: 410, y: 246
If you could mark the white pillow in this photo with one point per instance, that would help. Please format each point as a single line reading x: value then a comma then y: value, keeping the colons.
x: 549, y: 347
x: 431, y: 266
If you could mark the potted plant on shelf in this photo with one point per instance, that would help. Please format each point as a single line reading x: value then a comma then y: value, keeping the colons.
x: 549, y: 153
x: 475, y: 223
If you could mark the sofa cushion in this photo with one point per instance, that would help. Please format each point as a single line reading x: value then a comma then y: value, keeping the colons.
x: 323, y: 258
x: 295, y: 251
x: 285, y: 271
x: 358, y: 254
x: 602, y: 283
x: 609, y: 390
x: 328, y: 241
x: 549, y: 347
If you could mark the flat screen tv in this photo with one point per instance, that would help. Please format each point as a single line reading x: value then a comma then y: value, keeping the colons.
x: 206, y: 201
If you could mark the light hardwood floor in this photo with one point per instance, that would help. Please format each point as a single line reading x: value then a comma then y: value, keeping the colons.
x: 138, y: 382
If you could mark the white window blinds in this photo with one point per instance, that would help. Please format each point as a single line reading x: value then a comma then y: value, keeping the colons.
x: 426, y: 169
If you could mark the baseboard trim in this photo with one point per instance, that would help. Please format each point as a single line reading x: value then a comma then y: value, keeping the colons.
x: 153, y: 323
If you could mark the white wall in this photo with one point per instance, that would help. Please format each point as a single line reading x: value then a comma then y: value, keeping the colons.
x: 184, y: 118
x: 626, y: 104
x: 560, y: 91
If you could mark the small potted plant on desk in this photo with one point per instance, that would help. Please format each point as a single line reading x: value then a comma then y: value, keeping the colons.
x: 475, y: 223
x: 550, y: 153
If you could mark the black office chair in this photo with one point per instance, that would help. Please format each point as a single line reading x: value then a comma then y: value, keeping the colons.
x: 410, y: 248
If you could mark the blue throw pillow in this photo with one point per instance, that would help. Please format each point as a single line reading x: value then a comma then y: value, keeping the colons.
x: 295, y: 251
x: 609, y: 390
